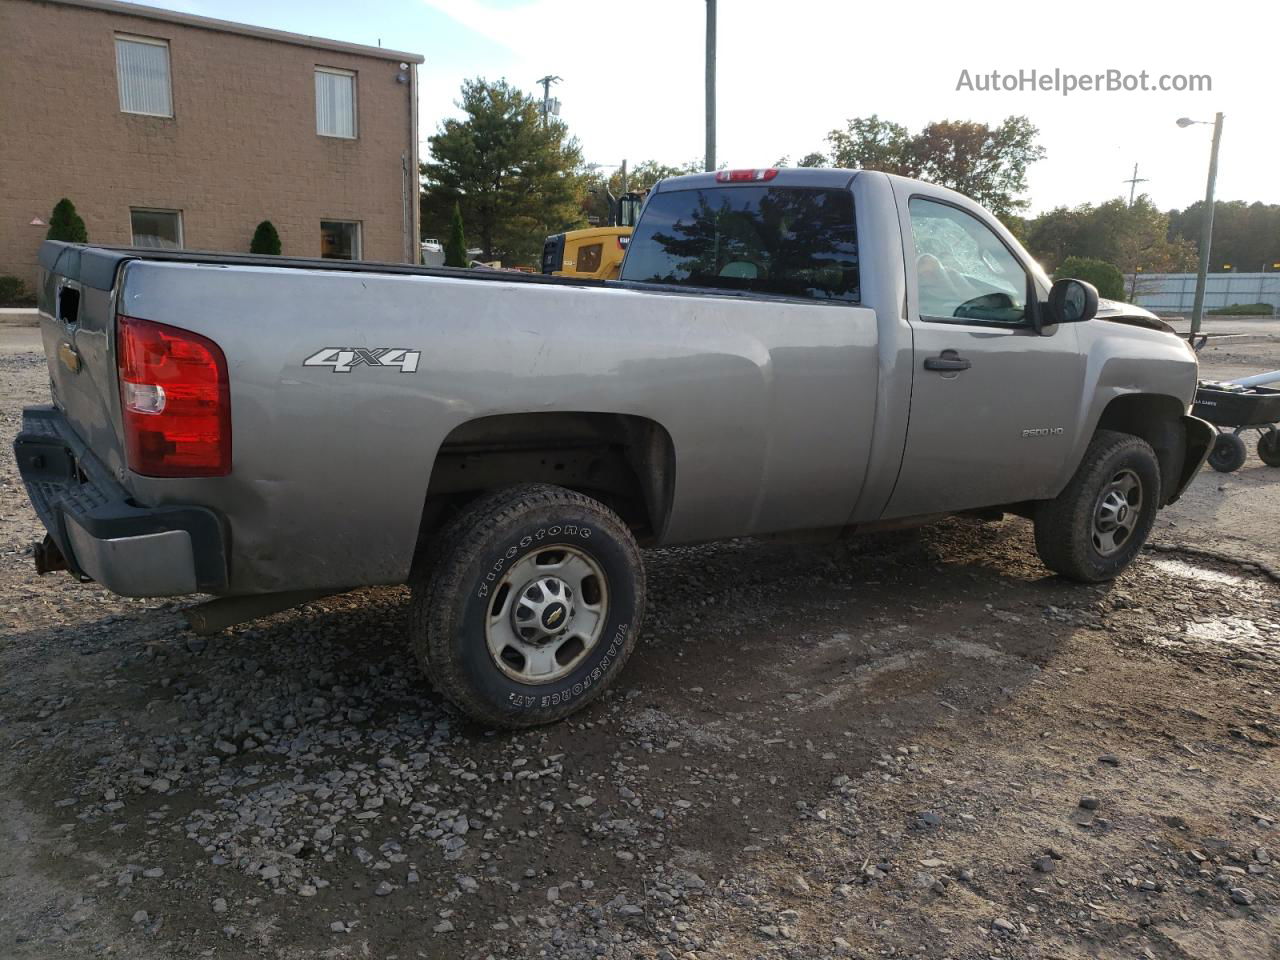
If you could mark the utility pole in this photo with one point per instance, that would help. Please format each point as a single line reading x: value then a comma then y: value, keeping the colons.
x: 547, y: 110
x: 1133, y: 182
x: 624, y: 177
x: 1206, y: 230
x: 710, y: 163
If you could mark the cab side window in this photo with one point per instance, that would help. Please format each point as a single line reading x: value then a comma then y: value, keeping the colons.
x: 963, y: 270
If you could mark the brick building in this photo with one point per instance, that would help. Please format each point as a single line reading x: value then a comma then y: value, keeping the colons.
x: 166, y: 129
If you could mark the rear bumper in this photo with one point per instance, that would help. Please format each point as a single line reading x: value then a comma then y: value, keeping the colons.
x: 103, y: 535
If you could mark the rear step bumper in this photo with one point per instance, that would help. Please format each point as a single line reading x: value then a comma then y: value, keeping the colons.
x: 101, y: 534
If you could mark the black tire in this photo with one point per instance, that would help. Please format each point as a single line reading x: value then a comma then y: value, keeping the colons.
x: 1269, y: 448
x: 1066, y: 527
x: 1228, y: 453
x: 455, y: 597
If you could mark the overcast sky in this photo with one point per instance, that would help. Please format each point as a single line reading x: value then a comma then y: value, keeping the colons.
x: 790, y: 71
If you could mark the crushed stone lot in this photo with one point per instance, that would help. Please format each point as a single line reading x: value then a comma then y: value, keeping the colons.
x: 918, y: 745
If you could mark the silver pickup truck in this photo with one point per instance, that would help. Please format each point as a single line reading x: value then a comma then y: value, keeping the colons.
x: 786, y: 350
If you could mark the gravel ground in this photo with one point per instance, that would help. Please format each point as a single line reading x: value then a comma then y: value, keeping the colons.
x: 913, y: 746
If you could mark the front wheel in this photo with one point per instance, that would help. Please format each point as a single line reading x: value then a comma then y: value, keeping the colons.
x: 1096, y: 526
x: 530, y: 605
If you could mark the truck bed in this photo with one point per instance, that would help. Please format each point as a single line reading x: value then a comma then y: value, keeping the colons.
x: 98, y: 265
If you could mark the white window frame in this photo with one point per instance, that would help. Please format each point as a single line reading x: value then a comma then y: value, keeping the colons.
x: 355, y: 103
x: 168, y: 63
x: 357, y: 248
x: 182, y: 240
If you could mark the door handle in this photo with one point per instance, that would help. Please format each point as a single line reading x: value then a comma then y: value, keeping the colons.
x: 949, y: 360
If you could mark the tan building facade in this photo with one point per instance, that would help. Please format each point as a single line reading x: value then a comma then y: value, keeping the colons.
x: 166, y: 130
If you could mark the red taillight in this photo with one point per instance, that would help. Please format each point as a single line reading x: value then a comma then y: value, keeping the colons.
x: 175, y: 400
x: 745, y: 176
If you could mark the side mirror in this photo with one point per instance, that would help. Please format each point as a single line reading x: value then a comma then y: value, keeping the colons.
x: 1072, y: 301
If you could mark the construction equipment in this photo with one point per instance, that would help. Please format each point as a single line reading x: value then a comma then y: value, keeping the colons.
x: 594, y: 252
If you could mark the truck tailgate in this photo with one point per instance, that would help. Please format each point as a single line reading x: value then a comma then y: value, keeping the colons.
x: 77, y: 326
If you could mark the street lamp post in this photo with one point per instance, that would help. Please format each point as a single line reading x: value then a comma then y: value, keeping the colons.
x: 1206, y: 225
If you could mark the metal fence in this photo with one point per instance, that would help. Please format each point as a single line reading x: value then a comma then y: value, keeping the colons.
x: 1175, y: 292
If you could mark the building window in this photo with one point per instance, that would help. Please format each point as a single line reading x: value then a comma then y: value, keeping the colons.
x: 142, y: 71
x: 160, y: 229
x: 335, y: 103
x: 340, y: 239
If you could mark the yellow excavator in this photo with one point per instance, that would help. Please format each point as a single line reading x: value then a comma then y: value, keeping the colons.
x: 594, y: 252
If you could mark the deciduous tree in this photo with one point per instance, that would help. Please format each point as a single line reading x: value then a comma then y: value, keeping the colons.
x: 1105, y: 276
x: 986, y: 163
x: 1134, y: 238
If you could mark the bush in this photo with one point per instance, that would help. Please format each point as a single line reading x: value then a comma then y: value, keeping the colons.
x: 265, y: 239
x: 1105, y: 276
x: 13, y: 292
x: 1243, y: 310
x: 65, y: 224
x: 455, y: 248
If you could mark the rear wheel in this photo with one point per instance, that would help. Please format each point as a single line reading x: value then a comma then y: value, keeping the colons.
x: 1269, y: 448
x: 1228, y: 453
x: 529, y: 605
x: 1097, y: 525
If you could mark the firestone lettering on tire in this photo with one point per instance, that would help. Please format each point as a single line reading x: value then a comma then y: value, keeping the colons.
x: 525, y: 542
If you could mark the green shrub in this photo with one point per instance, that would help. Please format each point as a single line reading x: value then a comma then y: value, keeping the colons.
x: 1243, y: 310
x: 265, y: 239
x: 14, y: 291
x: 65, y: 224
x: 455, y: 248
x: 1105, y: 276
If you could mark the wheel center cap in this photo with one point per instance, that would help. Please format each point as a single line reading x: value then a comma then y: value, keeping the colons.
x: 553, y: 617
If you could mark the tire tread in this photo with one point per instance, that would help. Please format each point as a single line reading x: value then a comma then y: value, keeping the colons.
x: 452, y: 551
x: 1059, y: 522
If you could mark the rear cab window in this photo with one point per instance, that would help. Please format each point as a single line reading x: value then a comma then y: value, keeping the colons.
x: 787, y: 241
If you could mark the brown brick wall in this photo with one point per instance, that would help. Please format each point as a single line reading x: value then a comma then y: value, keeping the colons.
x: 241, y: 147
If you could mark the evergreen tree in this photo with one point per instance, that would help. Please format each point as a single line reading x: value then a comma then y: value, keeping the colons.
x: 65, y: 224
x: 515, y: 174
x: 265, y: 239
x: 455, y: 248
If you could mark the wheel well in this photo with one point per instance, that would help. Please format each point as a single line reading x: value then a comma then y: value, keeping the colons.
x: 626, y: 462
x: 1157, y: 419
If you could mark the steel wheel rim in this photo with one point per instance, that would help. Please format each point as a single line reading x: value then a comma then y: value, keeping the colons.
x: 546, y: 614
x: 1116, y: 513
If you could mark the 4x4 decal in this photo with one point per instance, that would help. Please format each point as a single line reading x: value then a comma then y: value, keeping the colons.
x: 343, y: 359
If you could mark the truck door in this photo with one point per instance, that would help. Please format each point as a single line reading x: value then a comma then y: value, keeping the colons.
x: 992, y: 400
